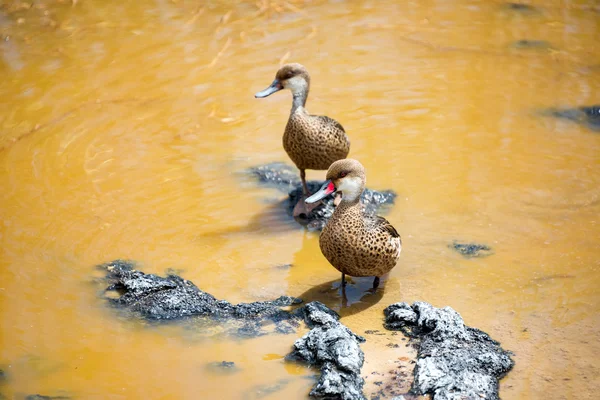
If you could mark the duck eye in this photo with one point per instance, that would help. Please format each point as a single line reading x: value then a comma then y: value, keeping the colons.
x: 343, y: 174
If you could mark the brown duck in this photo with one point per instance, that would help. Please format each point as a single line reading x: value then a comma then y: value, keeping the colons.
x: 355, y: 243
x: 311, y: 141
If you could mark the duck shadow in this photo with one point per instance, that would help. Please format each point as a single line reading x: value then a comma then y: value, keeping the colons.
x: 273, y: 219
x: 356, y: 297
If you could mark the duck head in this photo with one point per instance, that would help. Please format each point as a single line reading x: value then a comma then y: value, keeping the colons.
x: 346, y: 176
x: 291, y: 76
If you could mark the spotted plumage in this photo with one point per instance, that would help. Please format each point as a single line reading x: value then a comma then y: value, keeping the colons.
x: 311, y: 141
x: 356, y: 243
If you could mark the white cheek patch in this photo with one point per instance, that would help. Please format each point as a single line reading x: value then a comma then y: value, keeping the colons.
x: 296, y: 84
x: 350, y: 188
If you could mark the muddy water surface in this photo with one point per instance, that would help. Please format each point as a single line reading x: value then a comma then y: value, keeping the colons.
x: 125, y: 126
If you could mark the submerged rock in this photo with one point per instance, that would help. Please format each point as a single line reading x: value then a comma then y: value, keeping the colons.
x: 287, y: 179
x: 470, y: 250
x: 277, y: 175
x: 222, y: 367
x: 260, y: 391
x: 521, y: 8
x: 333, y: 348
x: 587, y: 116
x: 454, y: 361
x: 531, y: 44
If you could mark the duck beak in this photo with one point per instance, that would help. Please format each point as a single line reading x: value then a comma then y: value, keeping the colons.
x: 327, y: 188
x: 275, y: 87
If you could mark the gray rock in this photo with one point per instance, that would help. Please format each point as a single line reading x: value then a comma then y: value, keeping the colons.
x: 277, y: 175
x: 287, y: 179
x: 587, y: 116
x: 335, y: 349
x: 454, y: 361
x: 167, y: 298
x: 470, y: 250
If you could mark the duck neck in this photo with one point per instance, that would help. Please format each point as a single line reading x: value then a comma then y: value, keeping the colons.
x: 299, y: 87
x: 349, y: 201
x: 346, y: 209
x: 299, y: 100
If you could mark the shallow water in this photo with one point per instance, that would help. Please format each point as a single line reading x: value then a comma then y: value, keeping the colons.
x: 125, y: 128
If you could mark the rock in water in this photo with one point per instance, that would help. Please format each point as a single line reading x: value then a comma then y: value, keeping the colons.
x: 277, y: 175
x: 470, y: 250
x: 454, y: 361
x: 329, y: 344
x: 286, y: 179
x: 156, y: 298
x: 588, y: 116
x: 335, y: 349
x: 222, y: 368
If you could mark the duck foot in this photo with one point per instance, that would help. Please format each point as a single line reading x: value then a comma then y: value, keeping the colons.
x: 302, y: 209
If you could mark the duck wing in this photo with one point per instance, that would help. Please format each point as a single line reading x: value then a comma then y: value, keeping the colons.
x: 325, y: 120
x: 383, y: 225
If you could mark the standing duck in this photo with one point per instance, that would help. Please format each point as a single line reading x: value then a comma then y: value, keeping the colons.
x: 355, y: 243
x: 311, y: 141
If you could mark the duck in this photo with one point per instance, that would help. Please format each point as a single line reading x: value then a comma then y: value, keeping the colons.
x: 311, y: 141
x: 354, y: 242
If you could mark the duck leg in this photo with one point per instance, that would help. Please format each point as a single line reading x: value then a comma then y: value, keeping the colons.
x: 343, y: 280
x: 302, y: 209
x: 304, y: 187
x: 375, y: 283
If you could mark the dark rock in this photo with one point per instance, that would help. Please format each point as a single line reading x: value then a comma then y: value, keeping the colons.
x: 454, y: 360
x: 158, y: 298
x: 222, y: 367
x: 277, y: 175
x: 587, y: 116
x: 470, y: 250
x: 328, y: 345
x: 287, y: 179
x: 335, y: 349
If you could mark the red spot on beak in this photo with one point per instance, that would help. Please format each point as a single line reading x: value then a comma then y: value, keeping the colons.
x: 330, y: 188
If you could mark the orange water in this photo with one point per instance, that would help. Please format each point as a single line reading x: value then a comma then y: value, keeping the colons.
x: 125, y: 128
